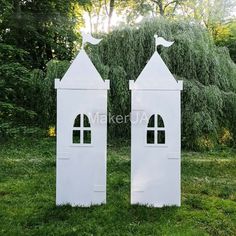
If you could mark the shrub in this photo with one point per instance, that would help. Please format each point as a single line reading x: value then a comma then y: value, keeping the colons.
x: 209, y: 95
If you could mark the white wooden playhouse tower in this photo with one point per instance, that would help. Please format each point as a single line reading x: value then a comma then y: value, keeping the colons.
x: 155, y: 135
x: 81, y: 134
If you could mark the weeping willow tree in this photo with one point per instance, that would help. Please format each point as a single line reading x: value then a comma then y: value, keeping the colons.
x: 209, y: 95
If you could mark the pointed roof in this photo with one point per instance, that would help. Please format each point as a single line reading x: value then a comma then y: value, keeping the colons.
x: 82, y: 74
x: 156, y: 76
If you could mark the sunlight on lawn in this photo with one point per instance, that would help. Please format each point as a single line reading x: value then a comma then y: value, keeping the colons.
x: 27, y: 196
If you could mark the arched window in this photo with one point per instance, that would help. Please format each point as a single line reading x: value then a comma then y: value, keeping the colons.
x: 155, y: 130
x: 81, y: 130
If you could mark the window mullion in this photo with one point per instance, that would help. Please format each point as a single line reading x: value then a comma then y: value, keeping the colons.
x: 82, y: 136
x: 159, y: 131
x: 155, y: 121
x: 160, y: 128
x: 151, y: 129
x: 87, y: 128
x: 82, y: 121
x: 156, y: 129
x: 76, y: 128
x: 82, y: 129
x: 155, y: 136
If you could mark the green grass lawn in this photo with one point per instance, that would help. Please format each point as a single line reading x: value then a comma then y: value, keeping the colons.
x: 27, y: 196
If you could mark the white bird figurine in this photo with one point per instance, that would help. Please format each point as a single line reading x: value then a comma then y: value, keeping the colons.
x: 88, y: 38
x: 162, y: 41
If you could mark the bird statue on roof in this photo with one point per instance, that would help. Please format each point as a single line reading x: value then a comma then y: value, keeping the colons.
x: 88, y: 38
x: 162, y: 41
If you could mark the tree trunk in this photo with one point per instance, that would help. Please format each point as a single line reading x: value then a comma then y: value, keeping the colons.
x: 17, y: 8
x: 98, y: 17
x: 160, y: 6
x: 90, y: 22
x: 174, y: 9
x: 110, y: 13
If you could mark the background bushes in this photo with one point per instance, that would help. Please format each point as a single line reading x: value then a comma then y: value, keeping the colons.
x: 208, y: 98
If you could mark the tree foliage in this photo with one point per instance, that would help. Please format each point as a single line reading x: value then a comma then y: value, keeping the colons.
x: 225, y: 35
x: 45, y: 29
x: 209, y: 96
x: 209, y: 13
x: 15, y: 109
x: 38, y: 38
x: 31, y: 34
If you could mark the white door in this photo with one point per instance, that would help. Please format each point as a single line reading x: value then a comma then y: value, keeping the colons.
x: 81, y: 149
x: 155, y: 150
